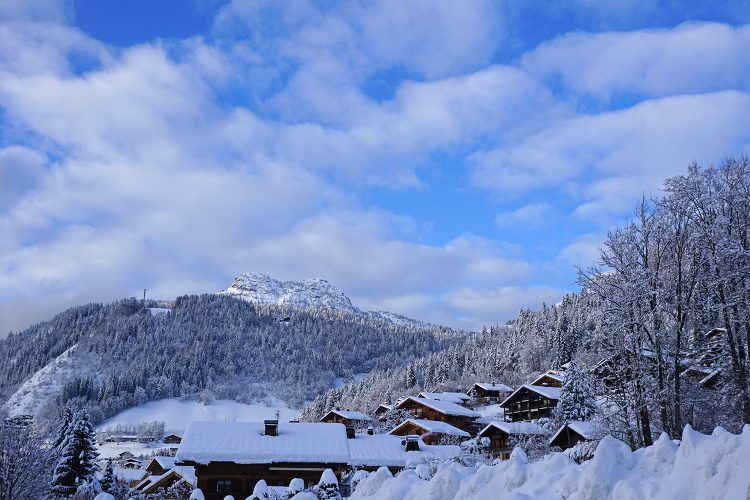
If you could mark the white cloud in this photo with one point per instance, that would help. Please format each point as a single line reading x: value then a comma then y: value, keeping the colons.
x: 690, y: 58
x: 608, y: 161
x: 531, y: 214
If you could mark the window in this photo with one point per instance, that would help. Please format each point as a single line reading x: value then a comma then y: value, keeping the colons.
x: 224, y: 486
x: 418, y: 412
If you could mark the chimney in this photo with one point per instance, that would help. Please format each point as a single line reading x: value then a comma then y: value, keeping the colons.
x: 370, y: 431
x: 271, y: 427
x: 411, y: 443
x: 349, y: 432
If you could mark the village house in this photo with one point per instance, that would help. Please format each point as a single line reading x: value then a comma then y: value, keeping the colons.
x: 159, y: 465
x: 550, y: 378
x: 443, y: 411
x: 454, y: 397
x: 382, y: 410
x: 502, y: 434
x: 153, y: 483
x: 530, y: 402
x: 431, y: 431
x: 173, y: 437
x: 231, y: 457
x: 489, y: 393
x: 346, y: 417
x: 572, y: 433
x: 372, y: 451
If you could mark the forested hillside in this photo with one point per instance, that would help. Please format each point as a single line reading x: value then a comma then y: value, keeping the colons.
x: 207, y: 346
x: 664, y: 319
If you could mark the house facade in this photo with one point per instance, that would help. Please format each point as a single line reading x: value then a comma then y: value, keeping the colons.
x: 441, y: 411
x: 503, y: 436
x: 231, y: 457
x: 431, y: 432
x: 530, y: 402
x: 489, y: 393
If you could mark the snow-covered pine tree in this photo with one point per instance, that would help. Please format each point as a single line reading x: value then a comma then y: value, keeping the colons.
x: 328, y: 486
x: 63, y: 428
x: 77, y: 462
x: 108, y: 479
x: 577, y: 397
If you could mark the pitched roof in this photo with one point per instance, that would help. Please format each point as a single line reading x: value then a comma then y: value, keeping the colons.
x: 454, y: 397
x: 584, y: 429
x: 553, y: 374
x: 245, y: 443
x: 527, y: 428
x: 547, y: 392
x: 351, y: 415
x: 386, y: 450
x: 433, y: 426
x: 180, y: 474
x: 493, y: 387
x: 444, y: 407
x: 165, y: 463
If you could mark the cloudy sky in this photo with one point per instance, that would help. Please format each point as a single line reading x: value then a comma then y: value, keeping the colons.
x: 451, y: 161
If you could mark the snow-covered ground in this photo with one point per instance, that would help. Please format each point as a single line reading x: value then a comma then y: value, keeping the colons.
x: 35, y: 392
x: 177, y: 414
x: 491, y: 412
x: 699, y: 467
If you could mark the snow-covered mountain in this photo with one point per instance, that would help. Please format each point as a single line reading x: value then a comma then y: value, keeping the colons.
x: 314, y: 292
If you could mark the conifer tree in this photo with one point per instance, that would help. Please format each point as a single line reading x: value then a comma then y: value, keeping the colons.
x: 77, y: 462
x: 63, y: 428
x: 577, y: 397
x: 108, y: 480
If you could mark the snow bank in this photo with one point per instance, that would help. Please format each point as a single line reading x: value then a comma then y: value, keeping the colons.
x: 701, y: 467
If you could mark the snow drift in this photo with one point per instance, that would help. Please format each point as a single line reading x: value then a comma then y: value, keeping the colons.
x: 699, y: 466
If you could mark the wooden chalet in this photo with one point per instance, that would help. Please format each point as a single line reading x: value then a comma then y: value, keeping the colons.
x: 370, y: 452
x: 489, y: 393
x: 346, y: 417
x: 550, y: 378
x: 231, y: 457
x: 382, y: 410
x: 530, y: 402
x: 454, y: 397
x: 431, y: 431
x: 500, y: 435
x: 572, y: 433
x: 159, y: 465
x: 173, y: 438
x: 442, y: 411
x: 153, y: 483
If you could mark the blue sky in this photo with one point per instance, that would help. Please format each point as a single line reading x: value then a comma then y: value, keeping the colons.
x: 451, y: 161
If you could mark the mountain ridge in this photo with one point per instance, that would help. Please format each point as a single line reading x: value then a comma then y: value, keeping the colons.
x: 316, y: 292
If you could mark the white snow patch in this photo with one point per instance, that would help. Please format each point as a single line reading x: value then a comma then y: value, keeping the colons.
x: 34, y: 393
x: 177, y: 414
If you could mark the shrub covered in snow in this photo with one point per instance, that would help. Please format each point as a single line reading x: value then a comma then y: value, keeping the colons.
x: 700, y: 467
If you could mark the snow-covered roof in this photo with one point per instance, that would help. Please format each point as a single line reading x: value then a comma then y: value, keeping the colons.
x: 181, y: 473
x: 386, y: 450
x: 128, y: 475
x: 493, y: 387
x: 454, y: 397
x: 350, y: 415
x: 433, y: 426
x: 517, y: 428
x: 444, y: 407
x: 553, y: 374
x: 245, y: 443
x: 585, y: 429
x: 547, y: 392
x: 164, y: 462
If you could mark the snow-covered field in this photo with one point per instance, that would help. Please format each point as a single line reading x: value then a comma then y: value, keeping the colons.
x: 699, y: 467
x: 177, y: 414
